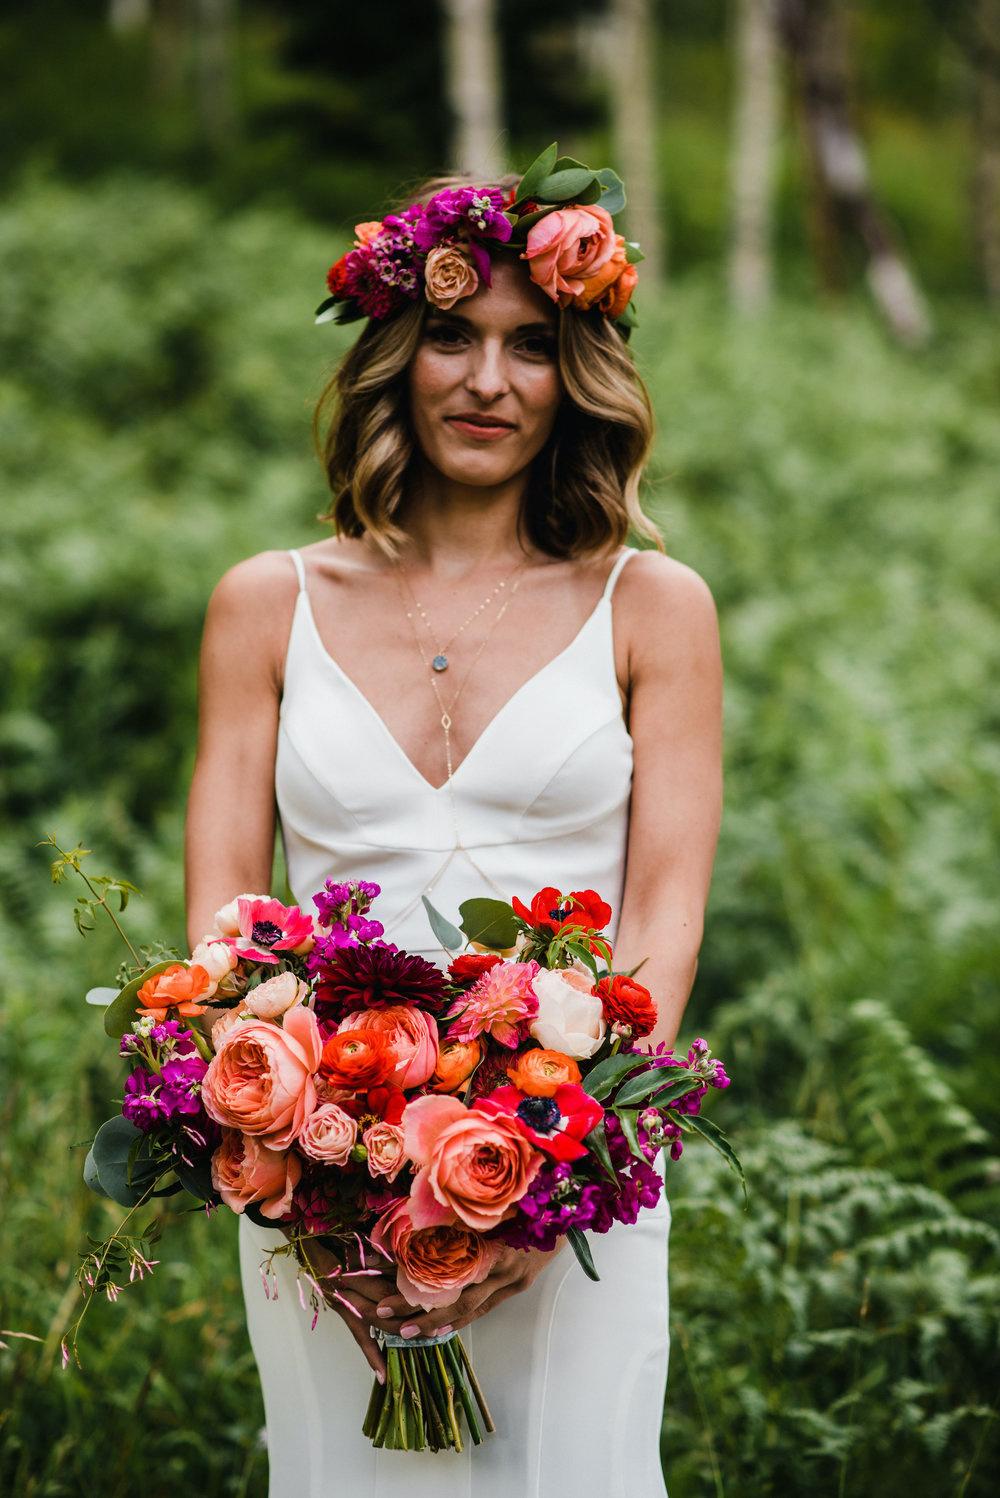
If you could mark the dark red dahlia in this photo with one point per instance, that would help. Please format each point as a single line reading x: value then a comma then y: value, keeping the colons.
x: 374, y: 977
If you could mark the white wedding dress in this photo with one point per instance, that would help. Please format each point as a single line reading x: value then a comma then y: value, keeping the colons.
x: 574, y: 1372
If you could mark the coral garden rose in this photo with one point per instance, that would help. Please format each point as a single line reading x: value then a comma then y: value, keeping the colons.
x: 540, y: 1072
x: 261, y: 1078
x: 357, y: 1060
x: 471, y: 1168
x: 448, y: 276
x: 227, y: 1021
x: 570, y: 1015
x: 457, y: 1060
x: 567, y: 246
x: 272, y: 999
x: 412, y: 1036
x: 433, y: 1265
x: 178, y: 987
x: 245, y: 1170
x: 329, y: 1134
x: 627, y: 1002
x: 386, y: 1155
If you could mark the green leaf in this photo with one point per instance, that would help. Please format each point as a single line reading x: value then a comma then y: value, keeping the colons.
x: 563, y: 162
x: 600, y: 1081
x: 122, y: 1010
x: 612, y: 198
x: 526, y: 220
x: 121, y: 1162
x: 633, y: 254
x: 490, y: 922
x: 100, y: 997
x: 717, y: 1140
x: 559, y: 187
x: 584, y: 953
x: 670, y: 1094
x: 580, y: 1246
x: 539, y: 169
x: 90, y: 1177
x: 448, y: 935
x: 630, y: 1128
x: 640, y: 1088
x: 597, y: 1143
x: 197, y: 1179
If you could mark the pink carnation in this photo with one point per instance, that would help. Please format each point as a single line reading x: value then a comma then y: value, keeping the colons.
x: 501, y: 1003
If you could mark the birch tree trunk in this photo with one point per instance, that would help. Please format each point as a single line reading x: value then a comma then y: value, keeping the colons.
x: 635, y: 121
x: 472, y: 82
x: 815, y: 35
x: 755, y: 125
x: 986, y: 177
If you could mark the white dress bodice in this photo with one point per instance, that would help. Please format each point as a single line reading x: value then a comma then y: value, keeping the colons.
x: 542, y: 797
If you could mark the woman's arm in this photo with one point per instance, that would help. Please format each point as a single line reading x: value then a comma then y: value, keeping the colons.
x: 675, y: 719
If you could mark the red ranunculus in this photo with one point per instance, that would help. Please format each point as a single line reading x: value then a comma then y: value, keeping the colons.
x: 554, y: 1124
x: 471, y: 965
x: 627, y: 1002
x: 336, y: 276
x: 582, y: 908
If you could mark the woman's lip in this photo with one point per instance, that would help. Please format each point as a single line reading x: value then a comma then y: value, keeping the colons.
x: 474, y: 429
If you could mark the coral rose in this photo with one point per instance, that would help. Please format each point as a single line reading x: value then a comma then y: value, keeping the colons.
x: 448, y: 276
x: 433, y: 1265
x: 471, y: 1168
x: 329, y: 1134
x: 566, y: 247
x: 412, y: 1036
x: 366, y: 232
x: 627, y: 1002
x: 457, y: 1060
x: 570, y: 1016
x: 539, y: 1073
x: 357, y: 1060
x: 260, y: 1079
x: 386, y: 1155
x: 177, y: 987
x: 244, y: 1170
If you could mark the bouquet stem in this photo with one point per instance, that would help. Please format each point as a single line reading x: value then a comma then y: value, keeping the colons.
x: 429, y: 1384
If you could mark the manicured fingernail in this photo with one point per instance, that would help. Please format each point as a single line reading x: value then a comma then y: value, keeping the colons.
x: 409, y: 1330
x: 383, y: 1310
x: 442, y: 1330
x: 380, y: 1375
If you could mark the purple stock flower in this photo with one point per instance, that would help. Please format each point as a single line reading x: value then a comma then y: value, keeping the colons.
x: 141, y: 1103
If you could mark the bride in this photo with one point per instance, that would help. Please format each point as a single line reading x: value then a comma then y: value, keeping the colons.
x: 474, y: 687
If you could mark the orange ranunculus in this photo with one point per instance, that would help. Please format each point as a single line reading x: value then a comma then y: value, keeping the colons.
x: 616, y: 298
x: 457, y: 1060
x: 357, y: 1059
x: 540, y: 1073
x: 604, y: 277
x: 177, y: 987
x: 412, y: 1036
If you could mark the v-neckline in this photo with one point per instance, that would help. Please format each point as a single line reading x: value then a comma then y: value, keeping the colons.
x: 303, y: 598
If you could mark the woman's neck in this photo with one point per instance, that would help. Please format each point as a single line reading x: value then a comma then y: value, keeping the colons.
x: 453, y: 527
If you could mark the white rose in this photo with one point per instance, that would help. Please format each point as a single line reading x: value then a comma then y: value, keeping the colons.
x: 570, y: 1015
x: 227, y: 920
x: 275, y: 997
x: 217, y: 959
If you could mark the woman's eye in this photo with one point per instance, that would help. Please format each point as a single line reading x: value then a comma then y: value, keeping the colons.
x: 539, y: 345
x: 442, y: 333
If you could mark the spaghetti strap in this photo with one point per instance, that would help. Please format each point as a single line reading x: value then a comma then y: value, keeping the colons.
x: 609, y: 586
x: 299, y: 568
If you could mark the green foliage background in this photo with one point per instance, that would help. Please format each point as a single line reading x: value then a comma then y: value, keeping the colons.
x: 159, y: 365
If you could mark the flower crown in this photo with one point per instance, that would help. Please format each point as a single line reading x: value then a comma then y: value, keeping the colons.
x: 558, y: 218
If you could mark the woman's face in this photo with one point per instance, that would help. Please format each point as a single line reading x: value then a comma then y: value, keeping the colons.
x: 492, y: 357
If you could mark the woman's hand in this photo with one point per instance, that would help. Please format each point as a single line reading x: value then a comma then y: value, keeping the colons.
x: 515, y: 1269
x: 361, y: 1290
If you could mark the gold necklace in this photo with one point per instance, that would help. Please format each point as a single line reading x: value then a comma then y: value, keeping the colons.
x: 446, y: 712
x: 440, y: 661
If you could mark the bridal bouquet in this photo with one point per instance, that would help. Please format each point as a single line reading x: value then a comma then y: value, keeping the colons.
x: 412, y: 1119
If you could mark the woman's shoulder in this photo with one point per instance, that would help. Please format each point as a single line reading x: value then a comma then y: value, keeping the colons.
x: 659, y: 597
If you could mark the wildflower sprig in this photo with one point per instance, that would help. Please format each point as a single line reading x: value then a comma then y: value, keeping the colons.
x: 85, y: 908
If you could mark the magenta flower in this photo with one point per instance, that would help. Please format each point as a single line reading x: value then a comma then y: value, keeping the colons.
x: 266, y: 927
x: 501, y: 1003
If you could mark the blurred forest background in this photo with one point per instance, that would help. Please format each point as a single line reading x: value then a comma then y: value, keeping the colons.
x: 816, y: 184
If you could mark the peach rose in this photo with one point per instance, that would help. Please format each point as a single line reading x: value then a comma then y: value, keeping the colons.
x: 596, y: 285
x: 273, y: 998
x: 457, y: 1060
x: 433, y: 1265
x: 386, y: 1155
x: 329, y: 1134
x: 260, y: 1079
x: 366, y: 232
x: 448, y: 275
x: 566, y: 247
x: 226, y: 1022
x: 412, y: 1037
x: 570, y: 1015
x: 473, y: 1168
x: 177, y: 987
x: 244, y: 1170
x: 542, y: 1073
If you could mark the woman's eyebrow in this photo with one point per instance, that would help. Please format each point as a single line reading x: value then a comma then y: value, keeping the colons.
x: 441, y: 314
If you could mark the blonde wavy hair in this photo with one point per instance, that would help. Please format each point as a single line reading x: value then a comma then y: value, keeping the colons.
x: 582, y: 496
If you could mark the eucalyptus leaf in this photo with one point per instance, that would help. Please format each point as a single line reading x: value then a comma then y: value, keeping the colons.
x: 630, y: 1128
x: 197, y: 1180
x: 123, y: 1008
x: 120, y: 1159
x: 100, y: 997
x: 490, y: 922
x: 717, y: 1140
x: 90, y: 1177
x: 638, y: 1089
x: 559, y: 187
x: 539, y: 169
x: 606, y: 1074
x: 562, y: 162
x: 580, y: 1246
x: 527, y: 219
x: 448, y: 935
x: 612, y: 198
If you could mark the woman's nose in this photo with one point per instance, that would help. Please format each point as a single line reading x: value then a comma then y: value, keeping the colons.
x: 487, y: 377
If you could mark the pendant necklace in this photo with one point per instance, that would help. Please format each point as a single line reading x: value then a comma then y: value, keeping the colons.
x: 440, y: 662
